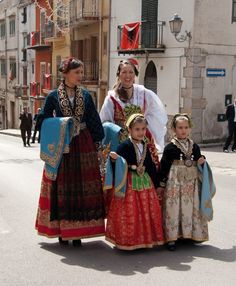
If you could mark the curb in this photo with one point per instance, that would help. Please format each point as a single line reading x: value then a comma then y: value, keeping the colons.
x: 10, y: 134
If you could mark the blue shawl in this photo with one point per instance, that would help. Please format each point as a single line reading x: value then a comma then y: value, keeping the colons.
x: 120, y: 177
x: 208, y: 191
x: 111, y: 131
x: 56, y: 134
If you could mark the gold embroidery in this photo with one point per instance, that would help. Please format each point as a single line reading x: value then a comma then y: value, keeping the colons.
x: 65, y: 105
x: 53, y: 160
x: 51, y: 148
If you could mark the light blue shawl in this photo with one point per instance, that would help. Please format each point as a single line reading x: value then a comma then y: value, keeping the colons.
x: 120, y: 176
x: 208, y: 191
x: 56, y: 134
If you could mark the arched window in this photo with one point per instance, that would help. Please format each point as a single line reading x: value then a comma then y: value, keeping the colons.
x: 150, y: 79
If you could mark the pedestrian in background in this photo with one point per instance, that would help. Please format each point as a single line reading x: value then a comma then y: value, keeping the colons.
x: 231, y: 117
x: 25, y: 126
x: 36, y: 126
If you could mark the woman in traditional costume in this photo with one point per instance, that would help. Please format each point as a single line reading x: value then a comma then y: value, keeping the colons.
x: 127, y: 98
x: 188, y: 187
x: 71, y: 203
x: 134, y: 218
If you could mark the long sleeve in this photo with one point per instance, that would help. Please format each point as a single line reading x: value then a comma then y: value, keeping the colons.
x: 156, y: 116
x: 196, y: 152
x: 92, y: 119
x: 107, y: 110
x: 48, y: 108
x: 165, y: 163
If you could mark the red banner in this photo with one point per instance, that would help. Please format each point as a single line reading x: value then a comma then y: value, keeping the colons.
x: 33, y: 88
x: 33, y: 38
x: 130, y: 36
x: 47, y: 81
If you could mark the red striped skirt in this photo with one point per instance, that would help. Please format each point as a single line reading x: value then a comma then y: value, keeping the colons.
x: 135, y: 221
x: 72, y: 206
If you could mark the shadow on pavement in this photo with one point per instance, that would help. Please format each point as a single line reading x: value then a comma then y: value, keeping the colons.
x: 100, y: 256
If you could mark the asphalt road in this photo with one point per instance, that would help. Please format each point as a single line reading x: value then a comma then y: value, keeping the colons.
x: 28, y: 259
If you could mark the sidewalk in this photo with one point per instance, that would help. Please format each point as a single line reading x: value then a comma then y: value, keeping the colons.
x: 11, y: 132
x: 16, y: 133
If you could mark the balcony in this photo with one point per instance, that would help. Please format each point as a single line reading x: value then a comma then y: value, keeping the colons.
x: 150, y: 39
x: 37, y: 40
x: 90, y: 72
x: 21, y: 91
x: 56, y: 35
x: 83, y: 12
x: 34, y: 89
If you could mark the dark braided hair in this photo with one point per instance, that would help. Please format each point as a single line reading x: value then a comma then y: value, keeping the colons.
x: 119, y: 89
x: 70, y: 64
x: 181, y: 116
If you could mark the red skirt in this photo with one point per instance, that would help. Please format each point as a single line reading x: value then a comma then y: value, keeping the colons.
x: 72, y: 207
x: 135, y: 221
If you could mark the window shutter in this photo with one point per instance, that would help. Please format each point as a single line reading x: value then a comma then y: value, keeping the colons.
x: 149, y: 23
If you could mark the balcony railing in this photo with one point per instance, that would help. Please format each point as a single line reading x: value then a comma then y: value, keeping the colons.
x: 90, y: 71
x: 150, y: 39
x: 84, y: 10
x: 38, y: 39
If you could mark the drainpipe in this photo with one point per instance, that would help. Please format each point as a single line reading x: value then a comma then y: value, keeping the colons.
x: 100, y: 54
x: 6, y: 119
x: 109, y: 46
x: 18, y: 54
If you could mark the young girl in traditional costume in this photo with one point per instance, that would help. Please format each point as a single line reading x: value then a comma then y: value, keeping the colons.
x: 134, y: 218
x: 184, y: 209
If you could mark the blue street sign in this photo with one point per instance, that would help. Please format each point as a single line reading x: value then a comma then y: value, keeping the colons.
x: 215, y: 72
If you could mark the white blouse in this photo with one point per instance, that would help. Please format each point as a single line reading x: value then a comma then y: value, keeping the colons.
x: 149, y: 102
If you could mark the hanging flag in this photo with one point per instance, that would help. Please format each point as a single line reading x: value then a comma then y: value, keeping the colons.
x: 47, y: 82
x: 33, y: 38
x: 11, y: 76
x: 33, y: 88
x: 130, y: 36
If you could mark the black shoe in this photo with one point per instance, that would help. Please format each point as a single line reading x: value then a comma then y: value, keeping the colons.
x: 226, y: 150
x: 32, y: 142
x: 76, y: 242
x: 171, y: 246
x: 24, y: 145
x: 28, y: 144
x: 63, y: 242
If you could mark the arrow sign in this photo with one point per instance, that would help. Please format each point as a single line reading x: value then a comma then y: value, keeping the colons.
x: 215, y: 72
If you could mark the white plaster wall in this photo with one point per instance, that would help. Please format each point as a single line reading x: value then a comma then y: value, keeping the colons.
x: 213, y: 24
x: 27, y: 27
x: 214, y: 90
x: 166, y: 11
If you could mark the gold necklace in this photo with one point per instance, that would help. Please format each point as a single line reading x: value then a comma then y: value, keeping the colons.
x: 140, y: 168
x: 187, y: 152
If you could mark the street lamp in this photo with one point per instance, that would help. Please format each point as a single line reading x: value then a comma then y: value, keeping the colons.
x: 175, y: 28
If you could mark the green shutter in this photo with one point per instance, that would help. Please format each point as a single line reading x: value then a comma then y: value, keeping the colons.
x: 149, y: 23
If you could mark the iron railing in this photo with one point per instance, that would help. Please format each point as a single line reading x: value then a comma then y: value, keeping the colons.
x: 150, y: 35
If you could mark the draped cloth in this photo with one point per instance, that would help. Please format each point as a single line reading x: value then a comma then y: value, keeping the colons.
x: 119, y: 175
x: 56, y: 134
x: 208, y: 191
x: 111, y: 131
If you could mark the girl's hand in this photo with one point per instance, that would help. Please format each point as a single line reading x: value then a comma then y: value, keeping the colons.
x: 201, y: 160
x: 160, y: 192
x: 113, y: 155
